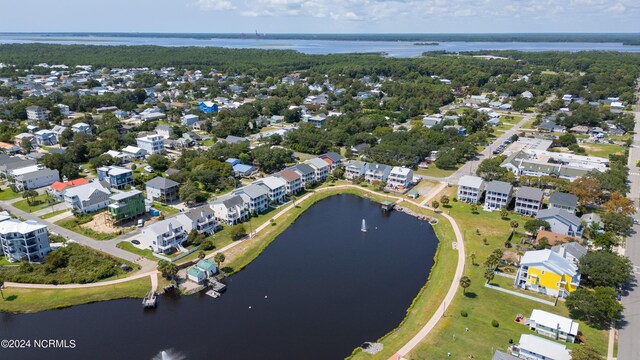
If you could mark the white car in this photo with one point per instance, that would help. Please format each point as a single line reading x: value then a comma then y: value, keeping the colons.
x: 148, y: 168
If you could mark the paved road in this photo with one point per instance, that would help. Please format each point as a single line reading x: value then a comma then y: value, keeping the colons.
x: 629, y: 346
x: 108, y: 247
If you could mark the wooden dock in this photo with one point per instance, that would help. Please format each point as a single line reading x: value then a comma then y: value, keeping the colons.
x: 387, y: 206
x: 214, y: 294
x: 217, y: 286
x: 150, y: 301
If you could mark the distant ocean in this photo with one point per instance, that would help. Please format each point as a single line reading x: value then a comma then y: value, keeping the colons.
x: 308, y: 45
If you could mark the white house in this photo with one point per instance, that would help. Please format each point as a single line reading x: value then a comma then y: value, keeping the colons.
x: 201, y: 219
x: 498, y: 195
x: 36, y: 113
x: 255, y: 196
x: 533, y: 347
x: 23, y: 240
x: 528, y: 201
x: 189, y: 120
x: 552, y: 325
x: 320, y: 168
x: 152, y: 144
x: 276, y: 187
x: 470, y: 188
x: 87, y: 198
x: 34, y: 177
x: 400, y: 178
x: 82, y: 127
x: 134, y: 152
x: 562, y: 221
x: 354, y: 168
x: 293, y: 181
x: 230, y: 209
x: 164, y: 235
x: 46, y: 138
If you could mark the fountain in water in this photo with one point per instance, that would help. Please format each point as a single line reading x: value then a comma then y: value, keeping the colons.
x: 169, y: 355
x: 364, y: 226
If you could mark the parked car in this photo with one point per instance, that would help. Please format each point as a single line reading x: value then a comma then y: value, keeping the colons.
x: 140, y: 223
x: 148, y: 168
x: 135, y: 242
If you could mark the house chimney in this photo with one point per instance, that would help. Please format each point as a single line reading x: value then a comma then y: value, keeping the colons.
x: 170, y: 227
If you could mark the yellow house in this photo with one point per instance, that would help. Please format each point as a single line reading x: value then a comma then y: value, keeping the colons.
x: 547, y: 272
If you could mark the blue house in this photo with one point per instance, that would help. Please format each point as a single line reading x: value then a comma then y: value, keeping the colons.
x: 233, y: 161
x: 117, y: 177
x: 208, y: 107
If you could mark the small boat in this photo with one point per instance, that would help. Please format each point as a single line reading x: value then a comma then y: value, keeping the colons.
x: 364, y: 226
x: 214, y: 294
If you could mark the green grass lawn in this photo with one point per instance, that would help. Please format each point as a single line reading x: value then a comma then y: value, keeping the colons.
x: 529, y: 124
x: 38, y: 203
x: 5, y: 261
x: 53, y: 213
x: 165, y: 209
x: 602, y: 150
x: 19, y: 300
x: 483, y: 304
x: 147, y: 253
x: 8, y: 194
x: 434, y: 171
x: 71, y: 223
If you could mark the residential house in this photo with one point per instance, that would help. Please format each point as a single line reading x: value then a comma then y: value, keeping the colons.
x: 57, y: 188
x: 333, y: 159
x: 236, y: 139
x: 134, y: 152
x: 377, y: 172
x: 552, y: 325
x: 126, y: 205
x: 22, y: 137
x: 547, y: 272
x: 34, y: 177
x: 87, y: 198
x: 20, y: 240
x: 562, y: 200
x: 10, y: 163
x: 207, y: 266
x: 189, y: 120
x: 293, y: 181
x: 562, y: 221
x: 36, y: 113
x: 82, y: 128
x: 361, y: 149
x: 499, y: 355
x: 306, y: 172
x: 163, y: 236
x: 554, y: 238
x: 320, y: 169
x: 241, y: 170
x: 593, y: 218
x: 528, y: 201
x: 201, y: 219
x: 208, y: 107
x: 230, y: 209
x: 400, y: 178
x: 531, y: 347
x: 58, y: 130
x: 551, y: 126
x: 255, y: 196
x: 116, y: 176
x: 46, y: 138
x: 498, y: 195
x: 162, y: 190
x: 152, y: 144
x: 196, y: 275
x: 165, y: 131
x: 276, y: 188
x: 470, y: 189
x: 571, y: 251
x: 152, y: 114
x: 317, y: 121
x: 354, y: 169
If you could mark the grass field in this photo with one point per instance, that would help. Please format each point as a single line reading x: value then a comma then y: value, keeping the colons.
x: 53, y: 213
x: 165, y: 209
x: 602, y: 150
x: 147, y: 253
x: 435, y: 172
x: 8, y: 194
x: 20, y: 300
x: 38, y: 203
x: 474, y: 335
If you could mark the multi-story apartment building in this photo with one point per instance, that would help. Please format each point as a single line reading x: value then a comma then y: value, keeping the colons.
x: 126, y: 205
x: 164, y: 236
x: 528, y: 201
x: 230, y: 209
x: 152, y: 144
x: 470, y: 189
x: 23, y: 240
x: 498, y: 195
x: 320, y: 168
x: 293, y: 181
x: 276, y: 188
x: 117, y: 176
x: 400, y: 178
x: 37, y: 113
x: 255, y: 196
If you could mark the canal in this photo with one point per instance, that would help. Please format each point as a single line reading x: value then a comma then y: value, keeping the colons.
x: 318, y: 291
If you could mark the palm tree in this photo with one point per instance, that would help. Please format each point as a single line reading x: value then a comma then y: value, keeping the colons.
x: 514, y: 225
x: 294, y: 198
x: 435, y: 205
x: 474, y: 208
x: 465, y: 282
x: 504, y: 213
x: 489, y: 274
x: 167, y: 268
x: 219, y: 258
x: 473, y: 258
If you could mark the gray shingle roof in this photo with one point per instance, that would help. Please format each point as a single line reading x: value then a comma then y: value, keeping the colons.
x: 304, y: 169
x: 529, y: 193
x: 559, y: 213
x: 500, y: 187
x: 161, y: 183
x: 573, y: 248
x: 254, y: 191
x: 563, y: 199
x: 230, y: 200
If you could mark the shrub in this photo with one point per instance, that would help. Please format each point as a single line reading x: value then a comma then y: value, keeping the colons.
x: 495, y: 323
x: 463, y: 313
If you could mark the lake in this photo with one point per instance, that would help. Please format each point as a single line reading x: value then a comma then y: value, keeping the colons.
x: 321, y: 289
x: 307, y: 46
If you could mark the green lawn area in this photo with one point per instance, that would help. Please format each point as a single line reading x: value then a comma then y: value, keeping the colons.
x: 434, y: 171
x: 483, y: 304
x: 53, y: 213
x: 8, y: 194
x: 602, y: 150
x: 165, y: 209
x: 507, y: 283
x: 529, y: 124
x: 32, y: 300
x: 38, y: 203
x: 71, y: 223
x: 147, y: 253
x: 5, y: 261
x: 209, y: 142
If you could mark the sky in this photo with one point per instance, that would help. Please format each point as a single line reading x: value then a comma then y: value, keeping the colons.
x: 320, y: 16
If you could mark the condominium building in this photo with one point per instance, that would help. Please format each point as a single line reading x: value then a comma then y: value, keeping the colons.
x: 400, y: 178
x: 498, y: 195
x: 470, y: 189
x: 528, y: 201
x: 23, y: 240
x: 163, y: 236
x: 152, y: 144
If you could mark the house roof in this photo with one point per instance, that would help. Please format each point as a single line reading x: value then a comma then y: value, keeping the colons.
x: 22, y: 227
x: 378, y: 167
x: 400, y: 170
x: 273, y: 182
x: 547, y: 348
x: 254, y: 191
x: 304, y: 168
x: 162, y: 227
x: 500, y: 187
x: 529, y: 193
x: 318, y: 163
x: 242, y: 168
x: 196, y: 213
x: 288, y: 175
x: 132, y: 149
x: 563, y: 199
x: 550, y: 259
x: 206, y: 264
x: 553, y: 321
x: 160, y: 182
x: 470, y: 181
x: 59, y: 185
x: 573, y: 248
x: 84, y: 192
x: 125, y: 195
x: 499, y: 355
x: 194, y: 271
x: 229, y: 200
x: 559, y: 214
x: 334, y: 156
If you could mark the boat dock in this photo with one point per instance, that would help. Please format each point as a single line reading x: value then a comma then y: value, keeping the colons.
x: 214, y: 294
x: 217, y: 286
x: 387, y: 206
x: 150, y: 301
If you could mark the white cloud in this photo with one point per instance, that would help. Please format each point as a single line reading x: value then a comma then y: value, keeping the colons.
x: 216, y: 5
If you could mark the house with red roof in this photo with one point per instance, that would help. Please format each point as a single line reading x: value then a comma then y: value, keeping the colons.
x: 57, y: 188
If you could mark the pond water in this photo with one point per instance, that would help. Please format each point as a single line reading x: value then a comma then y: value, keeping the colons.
x: 318, y: 291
